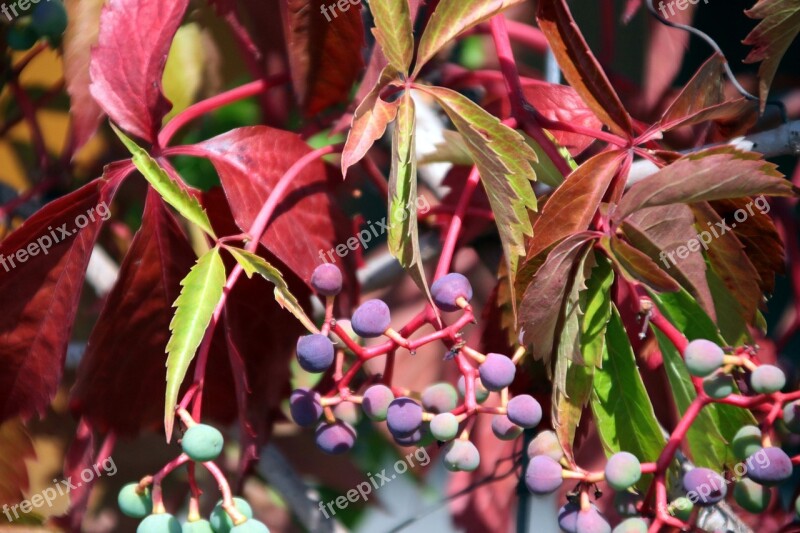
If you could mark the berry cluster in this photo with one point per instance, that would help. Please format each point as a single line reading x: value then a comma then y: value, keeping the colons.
x: 201, y: 444
x: 440, y: 412
x: 48, y: 20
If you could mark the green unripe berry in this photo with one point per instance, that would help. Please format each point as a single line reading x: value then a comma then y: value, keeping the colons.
x: 198, y: 526
x: 631, y: 525
x: 746, y: 442
x: 623, y: 470
x: 202, y: 443
x: 50, y: 18
x: 703, y: 357
x: 681, y: 508
x: 251, y: 526
x: 791, y: 416
x: 219, y: 519
x: 22, y: 35
x: 767, y: 379
x: 444, y: 427
x: 718, y: 386
x: 797, y: 507
x: 348, y: 412
x: 159, y: 523
x: 134, y: 504
x: 751, y: 496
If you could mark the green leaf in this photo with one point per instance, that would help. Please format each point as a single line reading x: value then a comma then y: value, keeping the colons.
x: 403, y: 238
x: 504, y: 161
x: 202, y: 290
x: 598, y: 312
x: 451, y: 18
x: 171, y: 192
x: 393, y: 31
x: 546, y: 170
x: 620, y: 404
x: 254, y: 264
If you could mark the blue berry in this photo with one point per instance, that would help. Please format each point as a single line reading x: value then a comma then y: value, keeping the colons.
x: 447, y: 289
x: 497, y: 371
x: 220, y: 520
x: 336, y: 438
x: 404, y: 416
x: 371, y: 319
x: 769, y: 466
x: 50, y: 18
x: 305, y: 407
x: 315, y: 353
x: 202, y: 443
x: 707, y: 486
x: 524, y: 411
x: 134, y: 504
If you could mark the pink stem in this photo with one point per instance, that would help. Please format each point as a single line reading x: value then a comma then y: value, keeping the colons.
x: 158, y: 501
x: 453, y: 231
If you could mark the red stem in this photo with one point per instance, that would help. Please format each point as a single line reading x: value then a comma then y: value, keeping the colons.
x: 449, y: 246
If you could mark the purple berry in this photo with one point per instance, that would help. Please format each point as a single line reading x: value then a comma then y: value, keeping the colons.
x: 623, y: 470
x: 315, y: 353
x: 447, y: 289
x: 631, y: 525
x: 305, y: 407
x: 335, y: 438
x: 327, y: 279
x: 439, y: 398
x: 718, y: 386
x: 568, y: 517
x: 543, y: 475
x: 524, y: 411
x: 461, y: 455
x: 497, y: 372
x: 767, y: 379
x: 703, y: 357
x: 591, y: 521
x: 769, y: 466
x: 444, y: 427
x: 404, y: 416
x: 505, y: 429
x: 791, y: 416
x: 481, y: 392
x: 546, y: 443
x: 704, y: 486
x: 746, y: 442
x: 371, y: 319
x: 751, y: 496
x: 376, y: 402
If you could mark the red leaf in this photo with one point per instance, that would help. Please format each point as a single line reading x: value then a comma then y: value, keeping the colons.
x: 324, y: 55
x: 127, y: 66
x: 120, y: 383
x: 250, y: 161
x: 580, y: 67
x: 40, y: 295
x: 15, y: 448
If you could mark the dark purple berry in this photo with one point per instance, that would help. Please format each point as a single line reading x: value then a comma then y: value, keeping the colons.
x: 703, y: 357
x: 704, y: 486
x: 505, y: 429
x: 623, y: 470
x: 376, y: 402
x: 327, y: 279
x: 404, y: 416
x: 315, y: 353
x: 524, y: 411
x: 447, y: 289
x: 461, y: 455
x: 305, y: 407
x: 497, y: 372
x: 371, y: 319
x: 791, y: 416
x: 767, y: 379
x: 769, y: 466
x: 335, y: 438
x: 751, y: 496
x: 408, y: 440
x: 543, y: 475
x: 440, y: 398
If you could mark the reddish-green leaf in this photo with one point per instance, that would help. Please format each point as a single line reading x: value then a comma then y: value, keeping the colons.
x: 580, y: 67
x: 40, y: 291
x: 637, y: 266
x: 324, y: 55
x: 712, y: 174
x: 780, y: 24
x: 393, y: 31
x: 451, y: 18
x: 128, y: 62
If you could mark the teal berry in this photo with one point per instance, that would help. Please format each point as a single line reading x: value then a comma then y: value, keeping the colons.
x: 681, y: 508
x: 133, y: 504
x: 198, y: 526
x: 202, y: 443
x: 746, y: 442
x: 22, y: 35
x: 767, y: 379
x: 220, y: 520
x: 703, y: 357
x: 751, y: 496
x: 623, y: 470
x: 50, y: 18
x: 718, y: 386
x: 631, y: 525
x: 159, y: 523
x: 444, y: 427
x: 461, y: 455
x: 251, y: 526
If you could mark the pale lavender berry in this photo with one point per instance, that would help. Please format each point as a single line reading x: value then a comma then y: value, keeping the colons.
x: 335, y: 438
x: 497, y: 371
x: 704, y: 486
x: 327, y: 279
x: 446, y: 290
x: 371, y: 319
x: 769, y: 466
x: 524, y: 411
x: 543, y: 475
x: 404, y: 416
